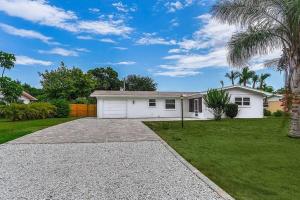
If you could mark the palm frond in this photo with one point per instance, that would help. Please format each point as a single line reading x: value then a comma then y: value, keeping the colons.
x: 245, y: 45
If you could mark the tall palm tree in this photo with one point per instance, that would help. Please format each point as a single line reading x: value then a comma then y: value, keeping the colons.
x: 245, y: 76
x: 265, y: 25
x: 255, y: 78
x: 232, y: 76
x: 262, y: 80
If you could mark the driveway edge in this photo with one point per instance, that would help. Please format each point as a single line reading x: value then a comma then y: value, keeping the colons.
x: 195, y: 171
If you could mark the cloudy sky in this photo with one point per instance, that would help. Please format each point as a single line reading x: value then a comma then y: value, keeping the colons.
x: 176, y: 42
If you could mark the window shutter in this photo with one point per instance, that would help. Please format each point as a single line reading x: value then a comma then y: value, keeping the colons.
x: 191, y: 105
x: 200, y: 105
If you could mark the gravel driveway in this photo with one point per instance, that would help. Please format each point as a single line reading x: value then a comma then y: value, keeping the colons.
x: 98, y: 159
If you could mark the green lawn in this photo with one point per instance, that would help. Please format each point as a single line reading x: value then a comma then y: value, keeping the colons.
x: 248, y: 158
x: 12, y: 130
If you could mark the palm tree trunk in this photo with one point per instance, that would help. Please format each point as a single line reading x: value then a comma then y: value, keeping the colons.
x: 253, y: 86
x: 295, y: 114
x: 232, y: 81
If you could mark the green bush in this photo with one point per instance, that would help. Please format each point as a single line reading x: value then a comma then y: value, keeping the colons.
x: 2, y: 107
x: 231, y: 110
x: 31, y: 111
x: 267, y: 112
x: 278, y: 113
x: 62, y: 108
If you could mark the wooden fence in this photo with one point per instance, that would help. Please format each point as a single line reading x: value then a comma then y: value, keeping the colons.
x: 83, y: 110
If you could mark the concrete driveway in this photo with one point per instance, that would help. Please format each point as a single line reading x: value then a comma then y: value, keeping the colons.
x: 98, y: 159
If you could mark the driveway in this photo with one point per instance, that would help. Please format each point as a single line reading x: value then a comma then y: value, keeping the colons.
x: 98, y: 159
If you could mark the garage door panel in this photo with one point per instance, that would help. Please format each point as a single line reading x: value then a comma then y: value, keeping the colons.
x: 114, y: 109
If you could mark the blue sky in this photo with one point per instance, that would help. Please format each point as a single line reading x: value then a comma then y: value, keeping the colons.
x: 176, y: 42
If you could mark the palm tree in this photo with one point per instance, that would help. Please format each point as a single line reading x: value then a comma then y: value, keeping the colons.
x: 6, y: 61
x: 232, y: 76
x: 255, y: 78
x: 262, y: 80
x: 265, y: 25
x: 245, y: 76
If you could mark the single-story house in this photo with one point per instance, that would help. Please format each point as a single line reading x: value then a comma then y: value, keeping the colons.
x: 25, y: 97
x: 154, y: 104
x: 274, y: 102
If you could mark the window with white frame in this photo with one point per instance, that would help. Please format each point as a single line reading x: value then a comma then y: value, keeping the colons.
x: 242, y: 101
x: 170, y: 104
x: 152, y: 102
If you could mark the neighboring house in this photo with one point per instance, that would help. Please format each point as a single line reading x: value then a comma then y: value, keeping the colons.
x: 25, y: 97
x: 152, y: 104
x: 274, y: 103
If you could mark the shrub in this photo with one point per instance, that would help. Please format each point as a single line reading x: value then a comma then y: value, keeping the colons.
x: 62, y: 107
x: 278, y: 113
x: 216, y: 100
x: 267, y: 112
x: 2, y: 107
x: 17, y: 112
x: 231, y: 110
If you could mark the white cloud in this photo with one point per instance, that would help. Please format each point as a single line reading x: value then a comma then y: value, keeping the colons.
x: 174, y: 22
x: 94, y: 10
x: 173, y: 6
x: 108, y: 40
x: 60, y: 51
x: 152, y: 39
x: 24, y: 60
x: 120, y: 48
x: 26, y: 33
x: 84, y: 37
x: 123, y: 8
x: 125, y: 63
x: 82, y: 50
x: 41, y: 12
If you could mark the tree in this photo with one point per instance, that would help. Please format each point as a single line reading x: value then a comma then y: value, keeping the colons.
x: 36, y: 92
x: 245, y: 76
x: 7, y: 61
x: 255, y: 79
x: 64, y: 83
x: 10, y: 89
x: 266, y: 25
x: 262, y: 80
x: 217, y: 100
x: 107, y: 78
x: 232, y: 76
x: 140, y: 83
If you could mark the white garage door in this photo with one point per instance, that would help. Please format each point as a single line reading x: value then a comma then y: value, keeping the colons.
x: 114, y: 109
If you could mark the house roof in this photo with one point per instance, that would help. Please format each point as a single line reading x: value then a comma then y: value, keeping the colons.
x: 28, y: 96
x: 110, y: 93
x: 240, y: 87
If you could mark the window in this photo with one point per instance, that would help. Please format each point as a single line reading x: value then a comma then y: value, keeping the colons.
x: 242, y: 101
x: 170, y: 104
x: 239, y: 101
x: 246, y: 101
x: 152, y: 102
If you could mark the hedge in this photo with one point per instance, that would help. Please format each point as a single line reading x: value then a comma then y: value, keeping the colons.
x: 15, y: 112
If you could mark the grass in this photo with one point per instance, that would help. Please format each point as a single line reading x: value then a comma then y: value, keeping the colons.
x: 248, y: 158
x: 12, y: 130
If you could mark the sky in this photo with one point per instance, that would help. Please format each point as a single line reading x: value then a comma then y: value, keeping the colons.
x: 176, y: 42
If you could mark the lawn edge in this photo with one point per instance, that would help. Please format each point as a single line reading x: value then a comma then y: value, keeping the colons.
x: 194, y: 170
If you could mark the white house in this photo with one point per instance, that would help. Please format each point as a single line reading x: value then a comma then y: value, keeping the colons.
x: 25, y: 97
x: 153, y: 104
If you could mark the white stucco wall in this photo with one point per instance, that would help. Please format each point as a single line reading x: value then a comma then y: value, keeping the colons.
x: 255, y: 110
x: 141, y: 109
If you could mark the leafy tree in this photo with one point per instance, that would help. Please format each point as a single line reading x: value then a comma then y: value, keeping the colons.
x: 217, y: 100
x: 231, y: 110
x: 262, y: 80
x: 140, y: 83
x: 10, y: 89
x: 232, y: 76
x: 255, y: 79
x: 266, y: 25
x: 7, y: 61
x: 107, y: 78
x: 269, y: 89
x: 245, y: 76
x: 65, y: 83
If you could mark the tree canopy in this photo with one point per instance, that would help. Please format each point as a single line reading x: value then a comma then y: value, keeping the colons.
x: 140, y: 83
x: 7, y: 61
x: 106, y: 78
x: 10, y: 89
